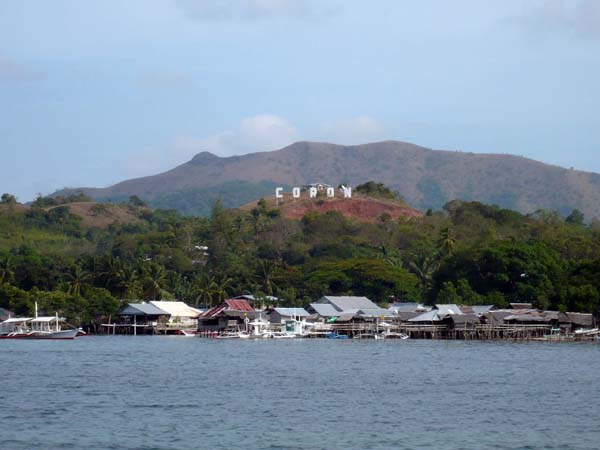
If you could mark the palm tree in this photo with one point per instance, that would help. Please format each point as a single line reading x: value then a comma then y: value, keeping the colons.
x: 78, y: 279
x: 222, y: 287
x: 265, y: 275
x: 205, y: 290
x: 125, y: 278
x: 154, y: 276
x: 447, y: 242
x: 110, y: 274
x: 6, y: 274
x: 424, y: 267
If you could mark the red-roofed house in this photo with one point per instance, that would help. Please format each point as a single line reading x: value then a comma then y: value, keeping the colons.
x: 229, y: 315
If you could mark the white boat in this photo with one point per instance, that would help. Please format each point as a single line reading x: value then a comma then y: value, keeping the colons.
x: 36, y: 328
x: 394, y: 335
x: 233, y: 335
x: 587, y: 332
x: 259, y: 327
x: 283, y: 336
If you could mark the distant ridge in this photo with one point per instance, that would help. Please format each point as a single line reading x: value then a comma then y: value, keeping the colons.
x: 426, y: 178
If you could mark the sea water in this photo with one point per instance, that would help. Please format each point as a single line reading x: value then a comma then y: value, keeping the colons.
x: 151, y: 392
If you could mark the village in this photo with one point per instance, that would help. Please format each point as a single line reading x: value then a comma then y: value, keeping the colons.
x: 349, y: 317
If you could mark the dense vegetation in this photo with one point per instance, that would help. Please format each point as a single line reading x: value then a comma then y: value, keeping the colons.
x: 467, y: 253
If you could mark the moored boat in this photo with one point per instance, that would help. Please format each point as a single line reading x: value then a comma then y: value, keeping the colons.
x: 36, y: 328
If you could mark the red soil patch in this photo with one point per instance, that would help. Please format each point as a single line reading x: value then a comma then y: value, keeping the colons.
x: 361, y: 208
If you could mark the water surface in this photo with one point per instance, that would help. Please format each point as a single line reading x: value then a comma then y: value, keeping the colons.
x: 149, y: 392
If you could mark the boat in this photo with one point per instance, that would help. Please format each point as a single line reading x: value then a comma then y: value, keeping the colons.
x: 259, y: 327
x: 36, y: 328
x: 365, y: 336
x: 233, y: 335
x: 186, y: 333
x: 394, y: 335
x: 282, y: 335
x: 336, y: 335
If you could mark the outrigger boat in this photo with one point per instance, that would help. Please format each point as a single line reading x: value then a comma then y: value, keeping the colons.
x: 36, y: 328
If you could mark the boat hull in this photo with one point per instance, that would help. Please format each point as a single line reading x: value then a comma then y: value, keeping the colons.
x: 57, y: 335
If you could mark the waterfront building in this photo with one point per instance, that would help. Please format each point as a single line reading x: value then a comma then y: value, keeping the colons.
x: 144, y: 314
x: 256, y: 301
x: 232, y: 314
x: 180, y: 314
x: 280, y: 315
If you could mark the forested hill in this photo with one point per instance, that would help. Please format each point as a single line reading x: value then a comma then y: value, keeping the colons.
x: 425, y: 178
x: 84, y: 261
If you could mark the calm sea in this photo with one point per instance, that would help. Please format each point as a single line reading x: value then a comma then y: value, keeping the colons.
x: 191, y: 393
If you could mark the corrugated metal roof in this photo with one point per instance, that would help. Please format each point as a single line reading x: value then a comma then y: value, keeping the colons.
x: 461, y: 319
x: 406, y: 307
x: 580, y: 319
x: 342, y: 303
x: 451, y: 309
x: 252, y: 298
x: 482, y: 309
x: 527, y: 318
x: 301, y: 312
x: 375, y: 312
x: 521, y: 305
x: 142, y: 309
x: 238, y: 305
x: 325, y: 309
x: 214, y: 311
x: 405, y: 316
x: 177, y: 309
x: 430, y: 316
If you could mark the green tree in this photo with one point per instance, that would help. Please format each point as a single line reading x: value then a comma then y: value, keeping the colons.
x: 153, y: 279
x: 222, y: 288
x: 447, y: 242
x: 8, y: 199
x: 205, y: 290
x: 78, y: 279
x: 575, y: 218
x: 6, y: 272
x: 448, y: 294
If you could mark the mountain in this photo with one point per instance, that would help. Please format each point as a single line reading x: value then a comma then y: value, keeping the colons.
x: 424, y: 177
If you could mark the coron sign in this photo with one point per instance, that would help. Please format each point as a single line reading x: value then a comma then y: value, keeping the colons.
x: 313, y: 190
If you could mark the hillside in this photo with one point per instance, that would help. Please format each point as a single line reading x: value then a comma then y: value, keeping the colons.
x: 101, y: 215
x: 359, y: 207
x: 425, y: 178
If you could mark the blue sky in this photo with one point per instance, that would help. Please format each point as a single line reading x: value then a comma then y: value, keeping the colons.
x: 95, y: 92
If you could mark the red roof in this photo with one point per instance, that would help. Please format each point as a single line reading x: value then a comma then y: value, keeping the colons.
x: 239, y: 305
x: 230, y: 305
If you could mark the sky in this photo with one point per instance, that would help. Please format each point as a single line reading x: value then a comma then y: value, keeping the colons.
x: 95, y: 92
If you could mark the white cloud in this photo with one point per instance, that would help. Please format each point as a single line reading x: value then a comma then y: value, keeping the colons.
x: 357, y: 130
x: 251, y: 9
x: 263, y: 132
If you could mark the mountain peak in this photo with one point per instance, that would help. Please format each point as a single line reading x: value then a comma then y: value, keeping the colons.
x: 203, y: 158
